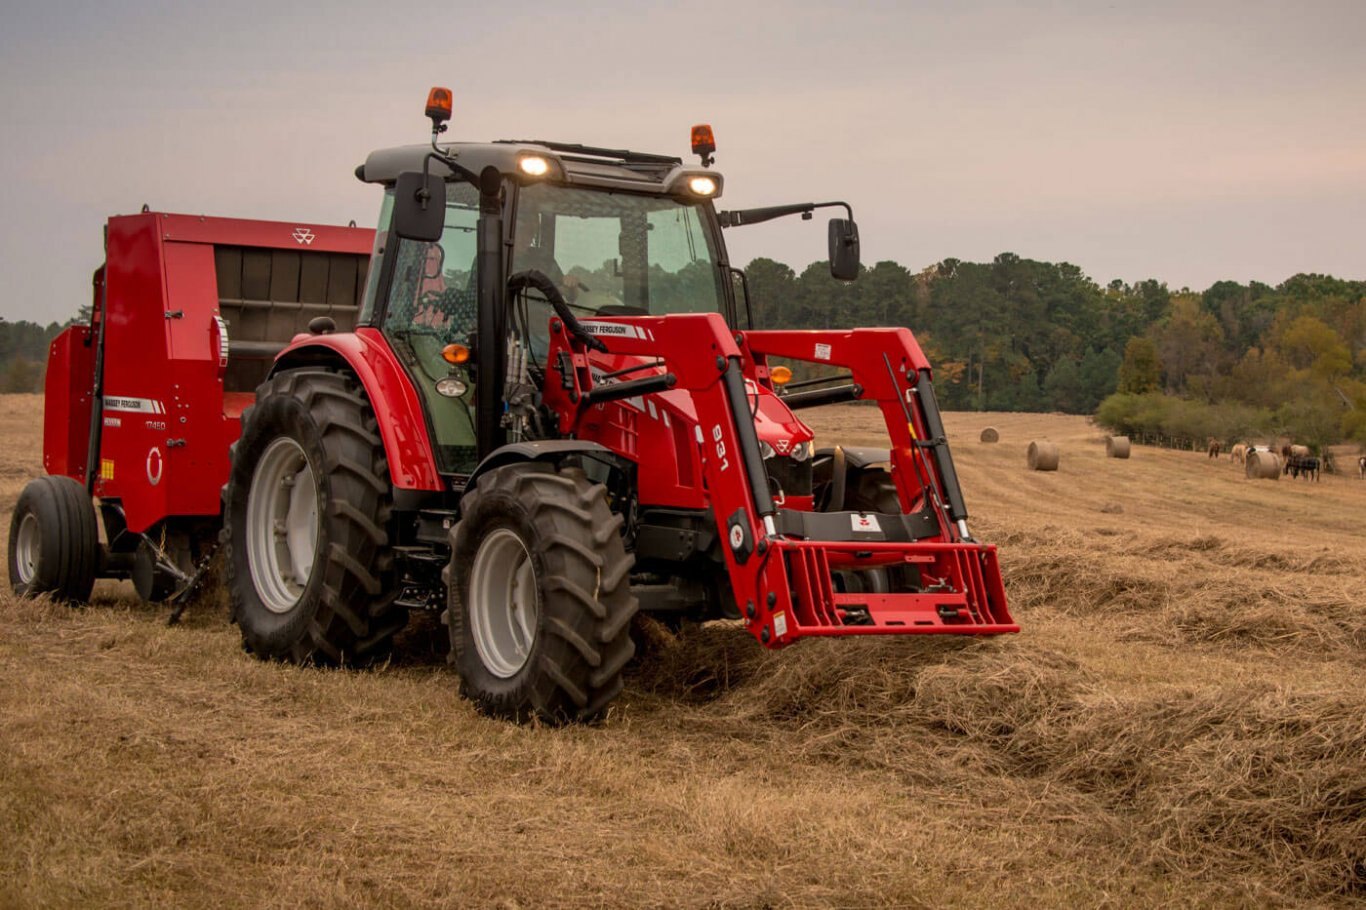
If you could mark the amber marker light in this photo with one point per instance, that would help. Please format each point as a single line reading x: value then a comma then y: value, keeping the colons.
x: 780, y: 375
x: 439, y: 104
x: 455, y: 353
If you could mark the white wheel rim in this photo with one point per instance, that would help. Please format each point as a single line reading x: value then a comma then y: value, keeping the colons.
x: 26, y: 549
x: 282, y: 525
x: 504, y: 606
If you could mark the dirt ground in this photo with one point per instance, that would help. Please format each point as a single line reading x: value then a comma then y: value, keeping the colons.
x: 1182, y: 721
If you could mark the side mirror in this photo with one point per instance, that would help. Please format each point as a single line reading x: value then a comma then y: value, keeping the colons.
x: 844, y: 257
x: 419, y: 206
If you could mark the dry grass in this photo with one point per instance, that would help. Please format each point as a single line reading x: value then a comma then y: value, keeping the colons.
x: 1183, y: 721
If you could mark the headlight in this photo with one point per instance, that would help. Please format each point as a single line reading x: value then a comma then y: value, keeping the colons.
x: 451, y: 387
x: 702, y: 186
x: 765, y: 449
x: 803, y: 450
x: 534, y: 165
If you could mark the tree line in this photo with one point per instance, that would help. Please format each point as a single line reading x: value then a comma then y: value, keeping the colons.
x: 23, y: 354
x: 1015, y: 334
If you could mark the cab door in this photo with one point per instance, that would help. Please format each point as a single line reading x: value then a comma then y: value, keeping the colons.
x: 432, y: 302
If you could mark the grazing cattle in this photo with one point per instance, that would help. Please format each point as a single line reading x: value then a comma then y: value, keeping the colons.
x: 1306, y: 466
x: 1238, y: 454
x: 1213, y: 447
x: 1361, y: 468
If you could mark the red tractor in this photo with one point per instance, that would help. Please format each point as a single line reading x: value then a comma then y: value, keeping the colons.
x: 541, y: 409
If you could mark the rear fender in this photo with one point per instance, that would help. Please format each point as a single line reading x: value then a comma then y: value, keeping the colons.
x: 397, y: 405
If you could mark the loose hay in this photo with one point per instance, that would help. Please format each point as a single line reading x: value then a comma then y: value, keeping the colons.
x: 1180, y: 724
x: 1042, y: 456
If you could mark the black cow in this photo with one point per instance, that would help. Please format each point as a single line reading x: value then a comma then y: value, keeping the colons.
x: 1306, y: 466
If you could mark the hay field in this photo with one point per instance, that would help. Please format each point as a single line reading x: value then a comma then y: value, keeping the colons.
x: 1183, y: 721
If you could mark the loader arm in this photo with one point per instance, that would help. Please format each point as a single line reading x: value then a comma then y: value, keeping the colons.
x: 785, y: 565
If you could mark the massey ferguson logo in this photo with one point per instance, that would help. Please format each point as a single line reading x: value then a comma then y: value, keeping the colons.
x: 303, y: 235
x: 781, y: 445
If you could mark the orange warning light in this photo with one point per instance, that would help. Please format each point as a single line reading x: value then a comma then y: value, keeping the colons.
x: 703, y: 142
x: 455, y: 353
x: 780, y: 375
x: 439, y: 104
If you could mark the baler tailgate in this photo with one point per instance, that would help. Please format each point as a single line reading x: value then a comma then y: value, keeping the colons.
x: 965, y: 596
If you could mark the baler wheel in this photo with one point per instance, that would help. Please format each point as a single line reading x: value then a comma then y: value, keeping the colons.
x: 309, y: 566
x: 54, y: 543
x: 540, y: 602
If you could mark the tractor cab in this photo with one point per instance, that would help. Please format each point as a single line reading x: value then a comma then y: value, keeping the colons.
x: 617, y: 233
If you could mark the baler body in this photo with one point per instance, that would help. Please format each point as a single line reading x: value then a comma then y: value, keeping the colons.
x: 190, y: 312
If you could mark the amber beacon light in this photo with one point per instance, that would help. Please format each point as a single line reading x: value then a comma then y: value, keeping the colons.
x: 439, y: 106
x: 703, y: 143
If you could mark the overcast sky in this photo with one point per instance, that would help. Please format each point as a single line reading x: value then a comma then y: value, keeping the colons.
x: 1188, y: 142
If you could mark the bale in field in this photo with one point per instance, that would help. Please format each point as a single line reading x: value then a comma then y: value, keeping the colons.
x: 989, y: 434
x: 1116, y: 446
x: 1042, y: 456
x: 1263, y: 465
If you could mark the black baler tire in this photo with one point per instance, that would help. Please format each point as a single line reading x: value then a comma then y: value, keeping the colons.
x: 68, y: 540
x: 583, y: 571
x: 346, y: 614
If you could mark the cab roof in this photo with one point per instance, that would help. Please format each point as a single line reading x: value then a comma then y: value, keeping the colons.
x: 580, y: 164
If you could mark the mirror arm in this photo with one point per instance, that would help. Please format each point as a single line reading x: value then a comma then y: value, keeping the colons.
x: 739, y: 217
x: 458, y: 169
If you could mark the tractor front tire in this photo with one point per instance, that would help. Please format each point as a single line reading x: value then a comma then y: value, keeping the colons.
x: 540, y: 602
x: 54, y: 543
x: 309, y: 565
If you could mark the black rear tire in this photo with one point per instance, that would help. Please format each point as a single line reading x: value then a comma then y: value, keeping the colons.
x: 584, y: 605
x: 53, y: 533
x: 345, y: 612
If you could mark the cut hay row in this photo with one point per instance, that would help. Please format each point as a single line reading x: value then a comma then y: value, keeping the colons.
x: 1259, y: 780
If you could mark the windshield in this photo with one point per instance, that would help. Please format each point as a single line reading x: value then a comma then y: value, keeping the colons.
x: 619, y: 253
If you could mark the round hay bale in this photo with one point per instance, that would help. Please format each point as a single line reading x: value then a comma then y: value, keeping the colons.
x: 1263, y: 465
x: 1042, y: 456
x: 1299, y: 451
x: 1116, y: 446
x: 989, y: 434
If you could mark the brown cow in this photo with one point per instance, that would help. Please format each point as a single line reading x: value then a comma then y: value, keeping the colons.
x: 1361, y: 468
x: 1214, y: 448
